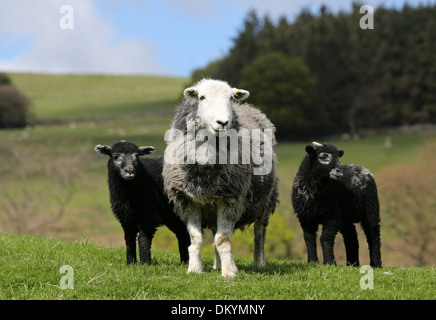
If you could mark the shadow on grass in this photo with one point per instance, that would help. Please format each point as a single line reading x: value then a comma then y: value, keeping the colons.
x: 276, y: 267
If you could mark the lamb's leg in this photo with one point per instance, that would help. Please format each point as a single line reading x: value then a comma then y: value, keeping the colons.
x: 179, y: 229
x: 371, y: 227
x: 259, y: 244
x: 194, y: 228
x: 184, y: 243
x: 223, y: 238
x: 144, y: 242
x: 130, y: 239
x: 329, y: 231
x: 309, y: 232
x: 372, y: 232
x: 351, y: 244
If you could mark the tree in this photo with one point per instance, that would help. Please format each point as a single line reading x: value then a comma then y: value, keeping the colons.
x: 365, y: 78
x: 281, y: 87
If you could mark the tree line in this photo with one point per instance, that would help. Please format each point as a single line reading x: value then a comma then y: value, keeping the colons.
x: 321, y: 74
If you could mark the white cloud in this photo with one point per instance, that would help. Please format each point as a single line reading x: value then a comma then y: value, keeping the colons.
x: 92, y: 46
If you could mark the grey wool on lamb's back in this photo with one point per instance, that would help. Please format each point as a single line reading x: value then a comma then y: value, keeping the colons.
x: 221, y: 195
x: 336, y: 196
x: 138, y: 200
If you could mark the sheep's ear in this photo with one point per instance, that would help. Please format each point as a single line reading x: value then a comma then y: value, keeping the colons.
x: 146, y: 150
x: 191, y: 93
x: 240, y: 94
x: 104, y: 150
x: 340, y: 153
x: 310, y: 149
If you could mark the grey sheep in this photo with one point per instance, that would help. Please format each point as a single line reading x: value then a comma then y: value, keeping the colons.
x: 226, y: 189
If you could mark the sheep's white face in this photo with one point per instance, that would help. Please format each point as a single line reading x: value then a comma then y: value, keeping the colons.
x: 215, y: 104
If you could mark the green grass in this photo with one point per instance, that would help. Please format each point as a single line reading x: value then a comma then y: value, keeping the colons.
x: 30, y: 269
x: 87, y: 96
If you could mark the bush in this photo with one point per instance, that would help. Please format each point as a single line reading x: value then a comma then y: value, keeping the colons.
x: 14, y: 106
x: 4, y: 79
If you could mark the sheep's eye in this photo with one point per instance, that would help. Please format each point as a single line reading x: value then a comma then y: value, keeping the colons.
x: 115, y: 156
x: 202, y: 97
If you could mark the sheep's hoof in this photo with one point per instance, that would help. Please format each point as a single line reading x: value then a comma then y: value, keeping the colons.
x: 195, y: 270
x: 259, y: 264
x: 228, y: 274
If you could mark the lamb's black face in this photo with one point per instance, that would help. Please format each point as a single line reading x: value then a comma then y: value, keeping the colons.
x: 325, y: 158
x: 126, y: 163
x: 124, y: 156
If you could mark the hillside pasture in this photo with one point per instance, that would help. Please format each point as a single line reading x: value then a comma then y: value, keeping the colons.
x: 54, y: 184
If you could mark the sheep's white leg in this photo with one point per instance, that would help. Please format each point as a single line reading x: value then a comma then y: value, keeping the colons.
x: 223, y: 242
x: 194, y: 228
x: 259, y: 244
x: 216, y: 260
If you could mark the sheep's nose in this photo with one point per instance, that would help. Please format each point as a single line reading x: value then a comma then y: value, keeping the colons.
x: 130, y: 170
x: 222, y: 123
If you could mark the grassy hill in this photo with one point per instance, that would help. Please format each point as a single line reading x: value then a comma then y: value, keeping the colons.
x: 72, y: 97
x: 30, y: 269
x: 54, y: 184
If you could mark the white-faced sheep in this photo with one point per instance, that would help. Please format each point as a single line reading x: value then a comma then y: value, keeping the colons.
x: 227, y: 189
x: 138, y: 200
x: 336, y: 196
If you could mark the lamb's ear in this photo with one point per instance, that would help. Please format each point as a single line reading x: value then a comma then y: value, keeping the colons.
x: 191, y: 93
x: 310, y: 149
x: 340, y: 153
x: 104, y: 150
x: 316, y: 144
x: 240, y: 94
x: 146, y: 150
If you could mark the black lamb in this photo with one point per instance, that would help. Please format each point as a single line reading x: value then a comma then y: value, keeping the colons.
x: 138, y: 200
x: 336, y: 196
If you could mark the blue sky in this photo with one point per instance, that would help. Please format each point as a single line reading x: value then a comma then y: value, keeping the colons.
x: 165, y: 37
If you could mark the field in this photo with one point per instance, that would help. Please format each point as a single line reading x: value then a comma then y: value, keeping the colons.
x: 100, y: 273
x: 54, y: 185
